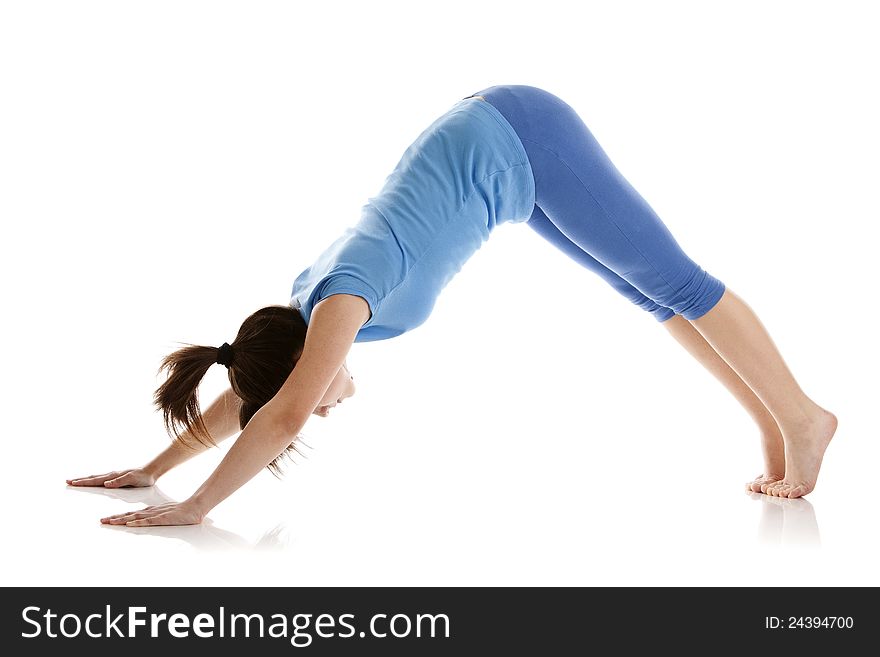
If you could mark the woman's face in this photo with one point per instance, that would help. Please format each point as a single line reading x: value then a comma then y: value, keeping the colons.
x: 342, y: 387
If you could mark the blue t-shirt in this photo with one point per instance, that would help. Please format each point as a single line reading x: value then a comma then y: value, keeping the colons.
x: 464, y: 174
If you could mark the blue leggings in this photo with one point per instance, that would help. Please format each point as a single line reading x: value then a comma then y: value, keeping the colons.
x: 585, y: 207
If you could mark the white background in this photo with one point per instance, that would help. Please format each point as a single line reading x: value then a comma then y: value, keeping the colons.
x: 167, y: 168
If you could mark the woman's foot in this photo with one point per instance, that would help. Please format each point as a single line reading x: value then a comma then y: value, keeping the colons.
x: 804, y: 448
x: 773, y: 449
x: 762, y: 480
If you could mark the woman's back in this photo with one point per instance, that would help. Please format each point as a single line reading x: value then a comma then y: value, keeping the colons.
x: 463, y: 175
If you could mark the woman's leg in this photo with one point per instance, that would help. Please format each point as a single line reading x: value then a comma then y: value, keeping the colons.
x: 689, y: 338
x: 590, y: 202
x: 772, y: 446
x: 545, y: 228
x: 736, y: 333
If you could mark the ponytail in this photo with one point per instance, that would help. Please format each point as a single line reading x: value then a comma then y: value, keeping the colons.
x: 265, y: 351
x: 178, y: 396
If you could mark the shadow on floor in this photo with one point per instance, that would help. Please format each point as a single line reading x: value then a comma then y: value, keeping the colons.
x: 206, y: 536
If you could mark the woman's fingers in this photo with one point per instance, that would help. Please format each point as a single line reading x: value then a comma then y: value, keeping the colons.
x: 125, y: 480
x: 92, y: 480
x: 172, y: 513
x: 129, y: 514
x: 121, y: 520
x: 134, y: 477
x: 126, y: 518
x: 159, y: 519
x: 119, y: 516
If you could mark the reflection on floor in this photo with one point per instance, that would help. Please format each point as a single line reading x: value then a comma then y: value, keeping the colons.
x: 787, y: 522
x: 783, y: 522
x: 318, y: 534
x: 205, y: 536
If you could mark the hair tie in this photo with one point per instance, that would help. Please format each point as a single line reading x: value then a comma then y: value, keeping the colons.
x: 225, y: 354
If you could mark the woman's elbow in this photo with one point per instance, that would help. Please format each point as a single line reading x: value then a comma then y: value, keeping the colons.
x: 282, y: 426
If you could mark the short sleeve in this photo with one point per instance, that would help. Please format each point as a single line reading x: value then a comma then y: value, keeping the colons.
x: 347, y: 284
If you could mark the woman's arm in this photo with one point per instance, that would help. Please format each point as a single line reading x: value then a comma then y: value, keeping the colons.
x: 221, y: 420
x: 333, y: 327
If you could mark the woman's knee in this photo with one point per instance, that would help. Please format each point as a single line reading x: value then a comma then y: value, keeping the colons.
x: 660, y: 313
x: 695, y: 295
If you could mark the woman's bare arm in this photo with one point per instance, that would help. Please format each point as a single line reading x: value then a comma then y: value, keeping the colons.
x: 332, y: 329
x: 221, y: 420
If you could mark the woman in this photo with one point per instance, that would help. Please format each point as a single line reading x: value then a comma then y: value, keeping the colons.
x: 509, y: 153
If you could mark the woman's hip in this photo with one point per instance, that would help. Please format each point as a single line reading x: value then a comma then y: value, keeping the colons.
x: 537, y: 116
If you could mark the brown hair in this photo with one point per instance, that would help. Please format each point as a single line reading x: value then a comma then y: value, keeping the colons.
x: 268, y: 346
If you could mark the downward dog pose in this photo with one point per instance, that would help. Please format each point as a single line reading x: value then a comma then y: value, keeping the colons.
x: 509, y: 153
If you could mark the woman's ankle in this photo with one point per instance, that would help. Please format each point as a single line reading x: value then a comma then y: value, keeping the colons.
x: 803, y: 418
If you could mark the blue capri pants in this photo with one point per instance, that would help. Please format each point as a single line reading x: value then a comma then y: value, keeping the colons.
x: 585, y: 207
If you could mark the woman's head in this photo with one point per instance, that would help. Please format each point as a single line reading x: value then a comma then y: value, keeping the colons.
x: 260, y: 359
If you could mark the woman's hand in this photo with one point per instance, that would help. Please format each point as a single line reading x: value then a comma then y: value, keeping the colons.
x: 135, y: 477
x: 173, y: 513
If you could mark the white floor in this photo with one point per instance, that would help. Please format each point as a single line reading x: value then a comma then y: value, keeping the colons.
x: 404, y: 531
x: 581, y: 448
x: 537, y: 429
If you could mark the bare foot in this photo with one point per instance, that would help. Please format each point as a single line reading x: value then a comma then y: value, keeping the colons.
x: 773, y: 449
x: 762, y: 480
x: 804, y: 448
